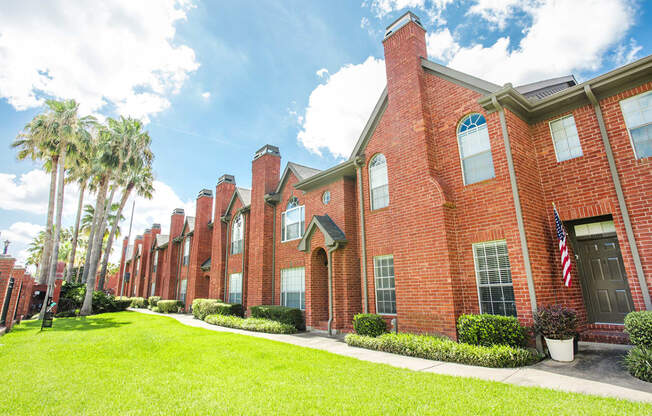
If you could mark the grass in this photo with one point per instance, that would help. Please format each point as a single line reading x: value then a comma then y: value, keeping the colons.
x: 134, y: 364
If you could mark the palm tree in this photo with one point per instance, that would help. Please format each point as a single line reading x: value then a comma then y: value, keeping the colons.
x: 70, y: 130
x: 136, y: 158
x: 38, y: 141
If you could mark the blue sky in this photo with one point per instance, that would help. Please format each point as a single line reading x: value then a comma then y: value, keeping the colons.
x: 215, y: 80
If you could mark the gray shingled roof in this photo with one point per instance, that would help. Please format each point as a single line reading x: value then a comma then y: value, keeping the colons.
x: 245, y: 195
x: 302, y: 172
x: 332, y: 233
x: 206, y: 265
x: 191, y: 224
x: 162, y: 239
x: 542, y: 89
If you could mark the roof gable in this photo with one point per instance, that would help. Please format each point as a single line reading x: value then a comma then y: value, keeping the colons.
x: 300, y: 172
x: 243, y: 194
x: 161, y: 241
x: 332, y: 233
x: 370, y: 127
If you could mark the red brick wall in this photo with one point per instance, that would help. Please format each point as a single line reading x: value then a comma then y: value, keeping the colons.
x: 171, y: 265
x: 6, y: 267
x: 223, y: 193
x: 200, y: 250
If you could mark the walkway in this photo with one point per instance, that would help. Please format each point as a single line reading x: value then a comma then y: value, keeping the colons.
x: 547, y: 374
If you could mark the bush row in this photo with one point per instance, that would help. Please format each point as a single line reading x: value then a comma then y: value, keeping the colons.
x: 152, y: 301
x: 169, y: 306
x: 251, y: 324
x: 369, y: 324
x: 488, y: 330
x: 102, y: 303
x: 444, y: 349
x: 201, y: 308
x: 138, y: 302
x: 282, y: 314
x: 639, y: 359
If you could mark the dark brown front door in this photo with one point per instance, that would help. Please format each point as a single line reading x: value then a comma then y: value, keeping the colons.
x: 604, y: 282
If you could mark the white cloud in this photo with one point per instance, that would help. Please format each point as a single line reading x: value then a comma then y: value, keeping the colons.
x: 626, y: 53
x: 497, y: 12
x: 321, y: 73
x: 20, y: 234
x: 117, y: 54
x: 206, y: 95
x: 441, y: 45
x: 565, y: 37
x: 30, y: 192
x: 433, y: 8
x: 338, y: 109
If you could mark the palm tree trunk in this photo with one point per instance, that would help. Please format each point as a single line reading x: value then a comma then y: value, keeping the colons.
x: 87, y: 261
x: 95, y: 246
x: 47, y: 243
x: 109, y: 242
x: 52, y: 273
x: 73, y: 250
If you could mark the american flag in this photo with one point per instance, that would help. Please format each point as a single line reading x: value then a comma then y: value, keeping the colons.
x: 563, y: 250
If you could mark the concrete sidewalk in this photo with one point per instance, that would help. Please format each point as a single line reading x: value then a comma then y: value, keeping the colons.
x: 537, y: 375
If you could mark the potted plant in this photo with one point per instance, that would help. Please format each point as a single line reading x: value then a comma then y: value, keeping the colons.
x: 557, y: 324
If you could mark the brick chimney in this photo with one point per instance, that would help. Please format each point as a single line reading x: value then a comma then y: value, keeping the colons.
x: 171, y: 266
x: 200, y: 251
x: 223, y: 193
x: 146, y: 262
x: 265, y: 172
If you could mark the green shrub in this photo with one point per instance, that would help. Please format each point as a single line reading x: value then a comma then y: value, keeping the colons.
x: 639, y: 327
x: 65, y: 314
x: 444, y: 349
x: 282, y: 314
x: 251, y: 324
x: 556, y: 322
x: 201, y: 308
x: 369, y: 324
x: 121, y: 303
x: 168, y: 306
x: 103, y: 302
x: 152, y: 301
x: 488, y: 330
x: 71, y: 296
x: 155, y: 309
x: 639, y: 362
x: 138, y: 302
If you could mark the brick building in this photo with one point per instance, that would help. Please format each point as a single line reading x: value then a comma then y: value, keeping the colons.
x: 444, y: 207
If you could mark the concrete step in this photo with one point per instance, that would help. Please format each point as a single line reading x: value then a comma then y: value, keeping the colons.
x: 609, y: 336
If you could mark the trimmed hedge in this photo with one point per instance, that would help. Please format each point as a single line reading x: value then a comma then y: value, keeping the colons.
x: 155, y: 309
x: 282, y: 314
x: 138, y: 302
x: 251, y: 324
x: 488, y: 330
x: 122, y: 304
x: 639, y: 327
x: 444, y: 349
x: 201, y: 308
x: 153, y: 300
x: 639, y: 362
x: 169, y: 306
x: 369, y: 324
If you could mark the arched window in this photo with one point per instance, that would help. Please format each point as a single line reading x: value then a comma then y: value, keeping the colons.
x: 378, y: 182
x: 475, y: 150
x: 237, y: 234
x: 292, y: 220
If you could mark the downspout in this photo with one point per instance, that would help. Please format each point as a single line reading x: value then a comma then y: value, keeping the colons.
x: 226, y: 252
x: 330, y: 287
x: 621, y: 198
x: 363, y: 236
x: 517, y: 207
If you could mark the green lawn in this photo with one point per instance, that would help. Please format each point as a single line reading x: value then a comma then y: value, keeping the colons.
x: 131, y: 364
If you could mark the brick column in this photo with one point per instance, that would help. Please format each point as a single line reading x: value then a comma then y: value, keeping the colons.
x: 223, y: 193
x: 171, y: 265
x: 200, y: 250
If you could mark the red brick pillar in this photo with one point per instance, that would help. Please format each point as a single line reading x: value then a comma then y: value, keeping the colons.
x: 200, y: 250
x: 171, y: 267
x: 6, y: 267
x: 145, y: 263
x: 223, y: 193
x: 265, y: 171
x: 17, y: 274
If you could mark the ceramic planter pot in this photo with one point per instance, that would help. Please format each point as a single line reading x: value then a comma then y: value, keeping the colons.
x: 560, y: 349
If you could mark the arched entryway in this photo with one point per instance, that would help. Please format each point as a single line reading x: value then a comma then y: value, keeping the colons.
x: 319, y: 289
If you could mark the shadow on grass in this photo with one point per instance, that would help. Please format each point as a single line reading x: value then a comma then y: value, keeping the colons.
x: 80, y: 323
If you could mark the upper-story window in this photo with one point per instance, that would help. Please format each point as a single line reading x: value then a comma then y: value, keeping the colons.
x: 155, y: 265
x: 292, y: 220
x: 565, y: 138
x: 378, y: 182
x: 637, y: 111
x: 237, y: 234
x: 475, y: 149
x: 186, y: 251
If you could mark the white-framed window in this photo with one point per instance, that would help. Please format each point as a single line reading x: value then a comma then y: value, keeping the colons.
x: 235, y: 288
x: 182, y: 290
x: 385, y: 285
x: 326, y: 197
x: 237, y: 234
x: 155, y: 265
x: 475, y: 149
x: 292, y: 220
x: 186, y: 251
x: 494, y: 278
x: 565, y: 138
x: 378, y: 182
x: 293, y: 287
x: 137, y: 267
x: 637, y: 111
x: 153, y: 289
